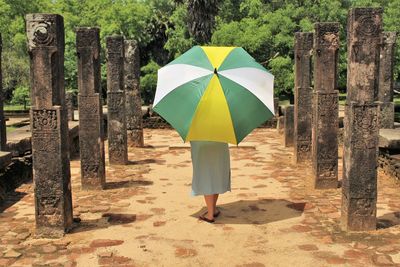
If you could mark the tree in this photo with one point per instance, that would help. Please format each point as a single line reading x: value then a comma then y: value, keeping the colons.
x: 201, y: 19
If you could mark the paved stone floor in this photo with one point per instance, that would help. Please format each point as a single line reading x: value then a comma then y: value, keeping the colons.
x: 146, y: 216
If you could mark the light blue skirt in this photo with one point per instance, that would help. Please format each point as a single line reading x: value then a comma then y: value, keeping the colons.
x: 211, y: 168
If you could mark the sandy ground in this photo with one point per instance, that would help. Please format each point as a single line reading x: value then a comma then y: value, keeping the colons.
x: 147, y: 217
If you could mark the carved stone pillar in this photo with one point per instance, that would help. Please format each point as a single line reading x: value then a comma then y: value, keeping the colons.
x: 91, y: 134
x: 289, y: 125
x: 69, y: 103
x: 134, y: 117
x: 359, y: 185
x: 3, y: 135
x: 325, y: 106
x: 51, y: 169
x: 276, y: 107
x: 385, y: 94
x: 117, y: 136
x: 303, y: 96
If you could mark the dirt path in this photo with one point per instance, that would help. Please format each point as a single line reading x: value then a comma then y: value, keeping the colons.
x: 147, y: 217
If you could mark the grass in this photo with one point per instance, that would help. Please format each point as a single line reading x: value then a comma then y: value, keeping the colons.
x: 9, y: 129
x: 284, y: 103
x: 15, y: 107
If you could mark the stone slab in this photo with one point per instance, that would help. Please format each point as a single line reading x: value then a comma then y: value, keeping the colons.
x: 5, y: 159
x: 389, y: 138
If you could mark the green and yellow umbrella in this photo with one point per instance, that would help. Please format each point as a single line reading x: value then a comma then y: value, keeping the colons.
x: 214, y: 94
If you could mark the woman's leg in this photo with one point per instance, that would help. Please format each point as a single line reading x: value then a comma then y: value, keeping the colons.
x: 215, y: 201
x: 210, y: 202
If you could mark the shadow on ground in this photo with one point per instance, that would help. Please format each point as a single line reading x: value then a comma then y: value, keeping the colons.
x: 145, y: 161
x: 388, y: 220
x: 126, y: 184
x: 107, y: 220
x: 257, y: 211
x: 11, y: 199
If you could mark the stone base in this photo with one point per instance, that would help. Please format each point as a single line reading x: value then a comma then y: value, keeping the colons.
x: 324, y: 139
x: 356, y: 217
x: 325, y: 184
x: 96, y: 185
x: 359, y: 183
x: 135, y: 138
x: 289, y: 126
x: 48, y: 232
x: 280, y: 125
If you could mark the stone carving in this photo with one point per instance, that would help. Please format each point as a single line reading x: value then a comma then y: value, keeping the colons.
x: 69, y: 103
x: 385, y: 92
x: 363, y: 41
x: 302, y: 124
x: 91, y: 135
x: 327, y: 170
x: 365, y: 126
x: 44, y: 120
x: 303, y: 94
x: 361, y: 121
x: 325, y: 105
x: 53, y: 201
x: 134, y: 118
x: 361, y: 127
x: 289, y: 125
x: 367, y: 25
x: 43, y: 35
x: 117, y: 134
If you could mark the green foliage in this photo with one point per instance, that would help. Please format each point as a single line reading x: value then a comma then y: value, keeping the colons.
x: 391, y: 18
x: 148, y: 81
x: 283, y: 66
x: 167, y: 28
x: 21, y: 96
x: 179, y: 39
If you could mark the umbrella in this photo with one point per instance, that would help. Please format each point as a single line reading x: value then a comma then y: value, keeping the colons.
x: 214, y: 94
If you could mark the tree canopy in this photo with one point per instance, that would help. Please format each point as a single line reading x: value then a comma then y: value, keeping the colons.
x: 167, y: 28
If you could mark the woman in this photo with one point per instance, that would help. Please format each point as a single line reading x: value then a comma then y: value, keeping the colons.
x: 211, y: 174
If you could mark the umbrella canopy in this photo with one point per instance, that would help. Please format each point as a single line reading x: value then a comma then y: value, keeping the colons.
x: 214, y: 94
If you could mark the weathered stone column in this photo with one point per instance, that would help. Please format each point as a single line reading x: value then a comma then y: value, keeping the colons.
x: 303, y: 96
x: 49, y: 125
x: 134, y: 117
x: 117, y: 137
x: 3, y: 135
x: 69, y: 103
x: 385, y: 93
x: 359, y: 185
x: 276, y: 107
x: 289, y: 125
x: 91, y: 134
x: 325, y: 106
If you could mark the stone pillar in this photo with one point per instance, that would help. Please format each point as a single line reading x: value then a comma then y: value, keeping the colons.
x: 49, y: 125
x: 325, y: 106
x: 289, y: 125
x: 134, y: 117
x: 303, y: 96
x: 359, y: 185
x: 117, y: 137
x: 3, y: 135
x: 276, y: 107
x: 69, y: 103
x: 385, y: 93
x: 280, y: 124
x: 91, y: 134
